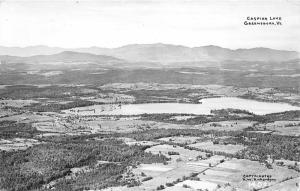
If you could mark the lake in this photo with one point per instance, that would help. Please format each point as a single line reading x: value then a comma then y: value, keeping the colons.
x: 257, y: 107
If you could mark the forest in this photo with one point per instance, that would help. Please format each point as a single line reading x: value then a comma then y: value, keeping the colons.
x: 41, y: 164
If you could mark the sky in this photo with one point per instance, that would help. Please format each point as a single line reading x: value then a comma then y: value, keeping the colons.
x: 114, y: 23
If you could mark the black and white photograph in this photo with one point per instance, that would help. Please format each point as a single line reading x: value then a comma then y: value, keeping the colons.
x: 147, y: 95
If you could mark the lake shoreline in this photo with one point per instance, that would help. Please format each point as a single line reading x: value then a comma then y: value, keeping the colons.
x: 208, y: 104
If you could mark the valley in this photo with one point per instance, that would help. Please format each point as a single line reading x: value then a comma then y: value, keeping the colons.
x: 79, y: 121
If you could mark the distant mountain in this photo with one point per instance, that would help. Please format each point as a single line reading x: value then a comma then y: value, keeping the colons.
x: 66, y: 57
x: 165, y: 53
x: 159, y: 53
x: 30, y: 50
x: 172, y: 53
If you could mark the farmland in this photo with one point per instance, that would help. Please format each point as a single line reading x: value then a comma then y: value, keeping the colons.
x: 67, y: 137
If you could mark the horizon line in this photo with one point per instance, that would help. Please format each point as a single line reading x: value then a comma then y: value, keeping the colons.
x: 157, y: 43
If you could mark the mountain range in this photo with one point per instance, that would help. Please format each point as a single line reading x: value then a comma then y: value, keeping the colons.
x: 65, y: 56
x: 159, y: 53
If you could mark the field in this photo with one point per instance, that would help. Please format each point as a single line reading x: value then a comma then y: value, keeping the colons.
x: 181, y: 139
x: 183, y: 154
x: 236, y: 125
x: 285, y: 127
x: 233, y: 172
x: 209, y: 145
x: 17, y: 144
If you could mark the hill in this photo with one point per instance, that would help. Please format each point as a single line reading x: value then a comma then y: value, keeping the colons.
x: 65, y: 57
